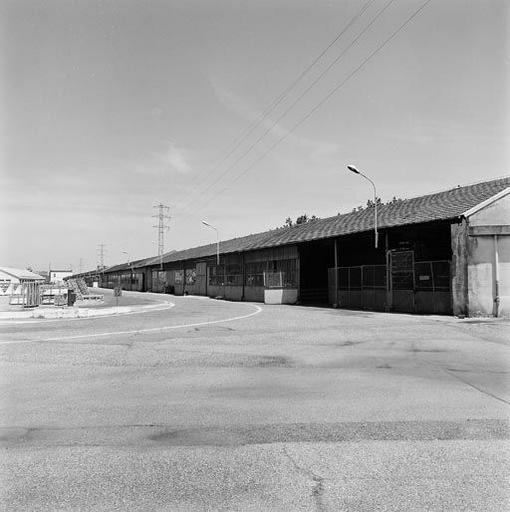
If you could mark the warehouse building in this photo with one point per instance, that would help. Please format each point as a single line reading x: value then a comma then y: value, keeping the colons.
x: 442, y: 253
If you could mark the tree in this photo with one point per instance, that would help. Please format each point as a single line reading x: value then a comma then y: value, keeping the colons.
x: 371, y: 204
x: 302, y: 219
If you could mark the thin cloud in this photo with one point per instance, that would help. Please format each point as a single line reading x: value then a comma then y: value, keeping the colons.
x: 177, y: 158
x: 315, y: 149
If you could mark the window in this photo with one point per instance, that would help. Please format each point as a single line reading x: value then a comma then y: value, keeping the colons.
x: 254, y: 273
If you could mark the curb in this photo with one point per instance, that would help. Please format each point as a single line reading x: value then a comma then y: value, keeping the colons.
x: 81, y: 312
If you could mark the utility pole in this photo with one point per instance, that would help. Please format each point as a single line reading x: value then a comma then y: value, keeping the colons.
x: 161, y: 226
x: 101, y: 253
x: 80, y: 266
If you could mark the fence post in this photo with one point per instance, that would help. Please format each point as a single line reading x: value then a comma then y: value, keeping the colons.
x: 362, y: 268
x: 388, y: 274
x: 335, y: 305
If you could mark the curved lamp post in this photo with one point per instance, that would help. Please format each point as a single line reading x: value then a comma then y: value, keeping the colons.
x: 217, y: 241
x: 353, y: 169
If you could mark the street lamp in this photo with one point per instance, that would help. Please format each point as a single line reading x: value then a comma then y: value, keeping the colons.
x: 355, y: 171
x: 217, y: 241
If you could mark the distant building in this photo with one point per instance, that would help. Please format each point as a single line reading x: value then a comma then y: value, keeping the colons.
x: 12, y: 278
x: 45, y: 274
x: 57, y: 276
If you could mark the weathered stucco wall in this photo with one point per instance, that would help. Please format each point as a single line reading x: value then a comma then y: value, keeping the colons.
x: 486, y: 297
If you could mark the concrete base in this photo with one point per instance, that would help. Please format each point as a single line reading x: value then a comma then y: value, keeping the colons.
x: 76, y: 312
x: 281, y: 296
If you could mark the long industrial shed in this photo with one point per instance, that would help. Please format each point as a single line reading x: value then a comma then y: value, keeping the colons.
x: 443, y: 253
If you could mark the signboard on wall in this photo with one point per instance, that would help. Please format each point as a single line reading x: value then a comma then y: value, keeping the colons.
x: 179, y: 276
x: 191, y: 276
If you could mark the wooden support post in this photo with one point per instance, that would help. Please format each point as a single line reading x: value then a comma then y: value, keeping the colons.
x: 243, y: 276
x: 495, y: 309
x: 335, y: 305
x: 389, y: 297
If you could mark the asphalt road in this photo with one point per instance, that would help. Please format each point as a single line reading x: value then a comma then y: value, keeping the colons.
x: 218, y: 406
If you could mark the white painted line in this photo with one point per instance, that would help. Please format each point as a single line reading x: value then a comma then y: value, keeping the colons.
x: 137, y: 331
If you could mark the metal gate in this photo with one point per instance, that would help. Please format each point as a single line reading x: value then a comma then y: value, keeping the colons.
x: 419, y: 286
x: 360, y: 287
x: 200, y: 279
x: 402, y: 280
x: 405, y: 285
x: 158, y: 284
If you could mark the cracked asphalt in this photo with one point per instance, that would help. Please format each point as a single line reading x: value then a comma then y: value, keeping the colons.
x: 218, y: 406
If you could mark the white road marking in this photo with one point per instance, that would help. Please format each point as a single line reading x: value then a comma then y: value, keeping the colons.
x: 258, y: 309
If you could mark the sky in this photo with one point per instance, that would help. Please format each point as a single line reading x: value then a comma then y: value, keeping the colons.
x: 110, y: 107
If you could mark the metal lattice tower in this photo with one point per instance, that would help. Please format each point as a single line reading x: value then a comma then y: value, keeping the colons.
x: 101, y: 253
x: 161, y: 226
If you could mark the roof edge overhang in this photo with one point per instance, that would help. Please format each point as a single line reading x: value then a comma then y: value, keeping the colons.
x: 487, y: 202
x: 33, y: 276
x: 9, y: 273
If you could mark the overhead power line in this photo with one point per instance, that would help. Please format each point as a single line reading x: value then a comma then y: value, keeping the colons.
x: 245, y: 133
x: 321, y: 102
x: 298, y: 99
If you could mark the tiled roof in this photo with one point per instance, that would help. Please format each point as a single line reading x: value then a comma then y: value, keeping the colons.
x: 126, y: 266
x: 22, y: 273
x: 244, y: 243
x: 449, y: 204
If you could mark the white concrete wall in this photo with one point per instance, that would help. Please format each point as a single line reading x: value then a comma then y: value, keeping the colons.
x: 58, y: 277
x: 480, y: 275
x: 504, y: 275
x: 280, y: 295
x: 482, y: 260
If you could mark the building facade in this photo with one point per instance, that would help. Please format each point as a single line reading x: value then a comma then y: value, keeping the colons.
x: 58, y: 276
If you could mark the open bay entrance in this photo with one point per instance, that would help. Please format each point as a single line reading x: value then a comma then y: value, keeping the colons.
x: 314, y: 260
x: 411, y: 273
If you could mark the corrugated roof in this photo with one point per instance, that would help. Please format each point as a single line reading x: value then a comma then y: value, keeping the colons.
x: 449, y: 204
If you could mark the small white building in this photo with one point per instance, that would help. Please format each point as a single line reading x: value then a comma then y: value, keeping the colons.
x: 12, y: 278
x: 57, y: 276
